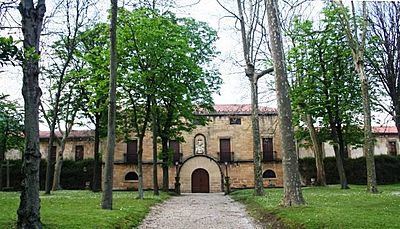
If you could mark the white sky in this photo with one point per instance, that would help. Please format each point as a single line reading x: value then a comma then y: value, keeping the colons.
x: 235, y: 88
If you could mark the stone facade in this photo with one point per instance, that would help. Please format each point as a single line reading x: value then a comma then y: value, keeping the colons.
x: 222, y: 148
x: 229, y: 125
x: 77, y: 141
x: 386, y: 143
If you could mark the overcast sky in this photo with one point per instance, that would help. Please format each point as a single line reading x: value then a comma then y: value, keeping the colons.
x: 235, y: 88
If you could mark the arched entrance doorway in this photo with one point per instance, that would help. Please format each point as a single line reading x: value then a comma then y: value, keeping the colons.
x: 200, y: 181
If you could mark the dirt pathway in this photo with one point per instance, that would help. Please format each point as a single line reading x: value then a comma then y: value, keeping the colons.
x: 196, y: 211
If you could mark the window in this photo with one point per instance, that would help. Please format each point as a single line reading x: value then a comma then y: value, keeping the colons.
x: 131, y: 176
x: 392, y: 149
x: 79, y: 152
x: 225, y: 154
x: 235, y: 121
x: 269, y: 174
x: 131, y: 152
x: 174, y: 146
x: 53, y: 153
x: 267, y: 149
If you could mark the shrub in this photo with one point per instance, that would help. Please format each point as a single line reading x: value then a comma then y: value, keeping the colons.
x: 74, y: 174
x: 387, y: 170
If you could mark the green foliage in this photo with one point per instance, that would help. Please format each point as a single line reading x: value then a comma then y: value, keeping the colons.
x: 8, y: 51
x: 324, y: 82
x: 328, y: 207
x: 81, y: 209
x: 73, y: 175
x: 387, y: 170
x: 164, y: 63
x: 11, y: 125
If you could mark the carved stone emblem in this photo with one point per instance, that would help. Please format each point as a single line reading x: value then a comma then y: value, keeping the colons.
x: 200, y: 145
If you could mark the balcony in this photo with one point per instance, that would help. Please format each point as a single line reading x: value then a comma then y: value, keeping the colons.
x: 178, y: 157
x: 131, y: 159
x: 226, y: 156
x: 269, y: 156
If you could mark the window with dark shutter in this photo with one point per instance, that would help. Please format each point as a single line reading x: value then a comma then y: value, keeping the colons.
x: 392, y: 148
x: 225, y: 153
x: 174, y: 146
x: 79, y: 152
x: 53, y: 153
x: 132, y: 152
x: 268, y: 149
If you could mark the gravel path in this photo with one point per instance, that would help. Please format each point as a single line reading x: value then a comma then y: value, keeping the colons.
x: 196, y: 211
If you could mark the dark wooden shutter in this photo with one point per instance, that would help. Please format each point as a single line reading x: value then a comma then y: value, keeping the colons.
x: 392, y: 148
x: 225, y: 150
x: 268, y: 149
x: 174, y: 146
x: 79, y: 152
x: 53, y: 153
x: 132, y: 152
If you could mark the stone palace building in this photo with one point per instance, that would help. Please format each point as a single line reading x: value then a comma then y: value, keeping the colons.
x: 222, y: 148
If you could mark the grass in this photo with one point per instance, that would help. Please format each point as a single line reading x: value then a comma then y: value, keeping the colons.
x: 328, y: 207
x: 81, y: 209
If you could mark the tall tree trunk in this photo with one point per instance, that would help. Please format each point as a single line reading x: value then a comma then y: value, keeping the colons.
x: 258, y: 179
x: 253, y: 78
x: 357, y: 50
x: 96, y: 162
x: 140, y: 168
x: 58, y: 166
x: 319, y: 160
x: 338, y: 155
x: 50, y: 165
x: 3, y: 148
x: 107, y: 198
x: 165, y: 168
x: 154, y: 130
x: 368, y: 147
x: 291, y: 176
x: 342, y: 144
x: 396, y: 117
x: 165, y: 137
x: 29, y: 207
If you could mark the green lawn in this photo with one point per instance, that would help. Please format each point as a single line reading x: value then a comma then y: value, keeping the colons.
x: 329, y: 207
x: 81, y: 209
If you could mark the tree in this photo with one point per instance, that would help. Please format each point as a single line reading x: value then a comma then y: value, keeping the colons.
x: 64, y: 48
x: 92, y: 70
x: 70, y: 104
x: 383, y: 53
x: 251, y: 15
x: 356, y: 40
x: 191, y: 84
x: 32, y: 20
x: 109, y: 160
x: 291, y: 176
x: 11, y: 128
x: 164, y: 70
x: 323, y: 74
x: 154, y: 130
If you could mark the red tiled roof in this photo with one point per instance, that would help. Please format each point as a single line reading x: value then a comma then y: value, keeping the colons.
x: 72, y: 134
x: 384, y: 129
x: 232, y: 109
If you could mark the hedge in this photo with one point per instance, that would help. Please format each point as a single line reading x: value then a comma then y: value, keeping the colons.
x: 387, y: 170
x: 74, y: 174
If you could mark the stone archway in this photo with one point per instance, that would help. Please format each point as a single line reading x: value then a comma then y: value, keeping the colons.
x: 205, y: 163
